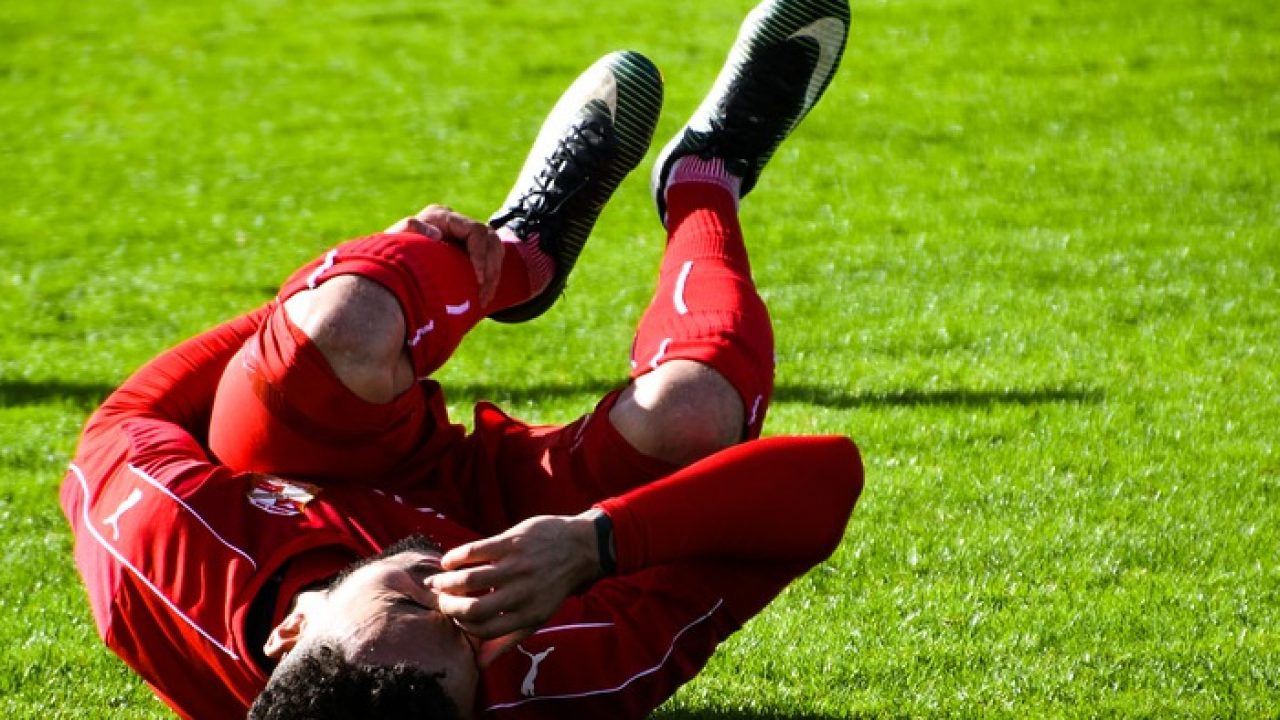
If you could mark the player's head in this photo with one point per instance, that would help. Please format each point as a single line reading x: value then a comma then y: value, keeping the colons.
x: 371, y: 644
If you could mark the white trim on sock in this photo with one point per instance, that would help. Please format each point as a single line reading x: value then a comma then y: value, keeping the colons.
x: 692, y: 168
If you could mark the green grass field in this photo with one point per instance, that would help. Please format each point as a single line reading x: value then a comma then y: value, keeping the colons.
x: 1024, y: 253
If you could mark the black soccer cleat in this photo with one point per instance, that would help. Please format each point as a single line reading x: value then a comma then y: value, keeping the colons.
x: 596, y: 134
x: 784, y: 58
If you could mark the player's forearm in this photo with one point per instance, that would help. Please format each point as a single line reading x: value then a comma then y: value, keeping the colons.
x: 776, y: 500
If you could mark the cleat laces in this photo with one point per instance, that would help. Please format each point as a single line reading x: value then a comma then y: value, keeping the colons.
x: 571, y: 166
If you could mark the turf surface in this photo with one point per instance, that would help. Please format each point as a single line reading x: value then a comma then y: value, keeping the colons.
x: 1024, y: 253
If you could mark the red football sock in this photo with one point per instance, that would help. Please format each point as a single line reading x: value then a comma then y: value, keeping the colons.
x: 693, y: 169
x: 538, y: 266
x: 706, y: 307
x: 515, y: 283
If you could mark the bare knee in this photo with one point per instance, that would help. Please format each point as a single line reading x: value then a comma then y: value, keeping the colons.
x: 359, y: 328
x: 679, y: 413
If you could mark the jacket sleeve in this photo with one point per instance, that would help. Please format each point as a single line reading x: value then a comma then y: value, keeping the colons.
x: 779, y: 500
x: 700, y: 552
x: 178, y: 386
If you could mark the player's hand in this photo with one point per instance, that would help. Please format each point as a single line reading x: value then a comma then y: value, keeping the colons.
x: 480, y: 242
x: 514, y: 582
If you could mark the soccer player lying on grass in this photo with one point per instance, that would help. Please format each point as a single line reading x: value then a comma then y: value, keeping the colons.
x: 282, y: 502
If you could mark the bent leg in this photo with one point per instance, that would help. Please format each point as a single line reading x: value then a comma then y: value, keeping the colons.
x: 702, y: 378
x: 679, y: 413
x: 328, y: 388
x: 702, y: 360
x: 358, y: 326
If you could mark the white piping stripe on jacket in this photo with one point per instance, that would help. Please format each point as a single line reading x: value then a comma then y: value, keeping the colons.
x: 88, y: 524
x: 156, y: 484
x: 604, y: 691
x: 576, y: 626
x: 755, y: 410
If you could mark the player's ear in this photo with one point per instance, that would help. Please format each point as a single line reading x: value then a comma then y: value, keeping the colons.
x: 285, y: 636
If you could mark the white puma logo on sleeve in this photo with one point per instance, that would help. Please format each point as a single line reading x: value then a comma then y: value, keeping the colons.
x: 526, y: 687
x: 125, y: 506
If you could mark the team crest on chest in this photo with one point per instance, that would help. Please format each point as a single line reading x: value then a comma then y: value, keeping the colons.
x: 280, y: 497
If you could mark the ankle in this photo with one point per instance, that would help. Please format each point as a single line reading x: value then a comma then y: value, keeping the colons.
x: 708, y: 171
x: 696, y: 183
x: 714, y: 204
x: 540, y: 266
x: 526, y: 271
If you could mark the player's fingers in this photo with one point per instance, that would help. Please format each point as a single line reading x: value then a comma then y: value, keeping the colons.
x: 457, y: 228
x: 463, y: 608
x: 482, y: 245
x: 423, y: 229
x: 475, y: 553
x: 441, y: 217
x: 467, y: 581
x: 413, y: 224
x: 483, y: 615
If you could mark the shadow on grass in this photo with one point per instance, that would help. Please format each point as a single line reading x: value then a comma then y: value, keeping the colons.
x: 803, y: 393
x: 737, y: 715
x: 962, y: 397
x: 501, y: 394
x: 15, y: 393
x: 410, y: 17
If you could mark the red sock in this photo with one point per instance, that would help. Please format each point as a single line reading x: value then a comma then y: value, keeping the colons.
x: 706, y: 307
x: 539, y: 266
x: 513, y: 283
x: 526, y: 271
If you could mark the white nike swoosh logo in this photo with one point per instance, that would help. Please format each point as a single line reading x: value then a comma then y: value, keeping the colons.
x: 829, y: 34
x: 600, y: 84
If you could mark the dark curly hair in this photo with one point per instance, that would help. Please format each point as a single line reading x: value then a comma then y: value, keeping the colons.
x: 320, y: 683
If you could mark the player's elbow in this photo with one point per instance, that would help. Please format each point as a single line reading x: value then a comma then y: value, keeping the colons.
x: 841, y: 488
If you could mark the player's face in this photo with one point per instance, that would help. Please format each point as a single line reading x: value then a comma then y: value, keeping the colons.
x: 383, y: 614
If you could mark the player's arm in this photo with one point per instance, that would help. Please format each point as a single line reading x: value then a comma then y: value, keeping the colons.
x: 781, y: 501
x: 179, y: 384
